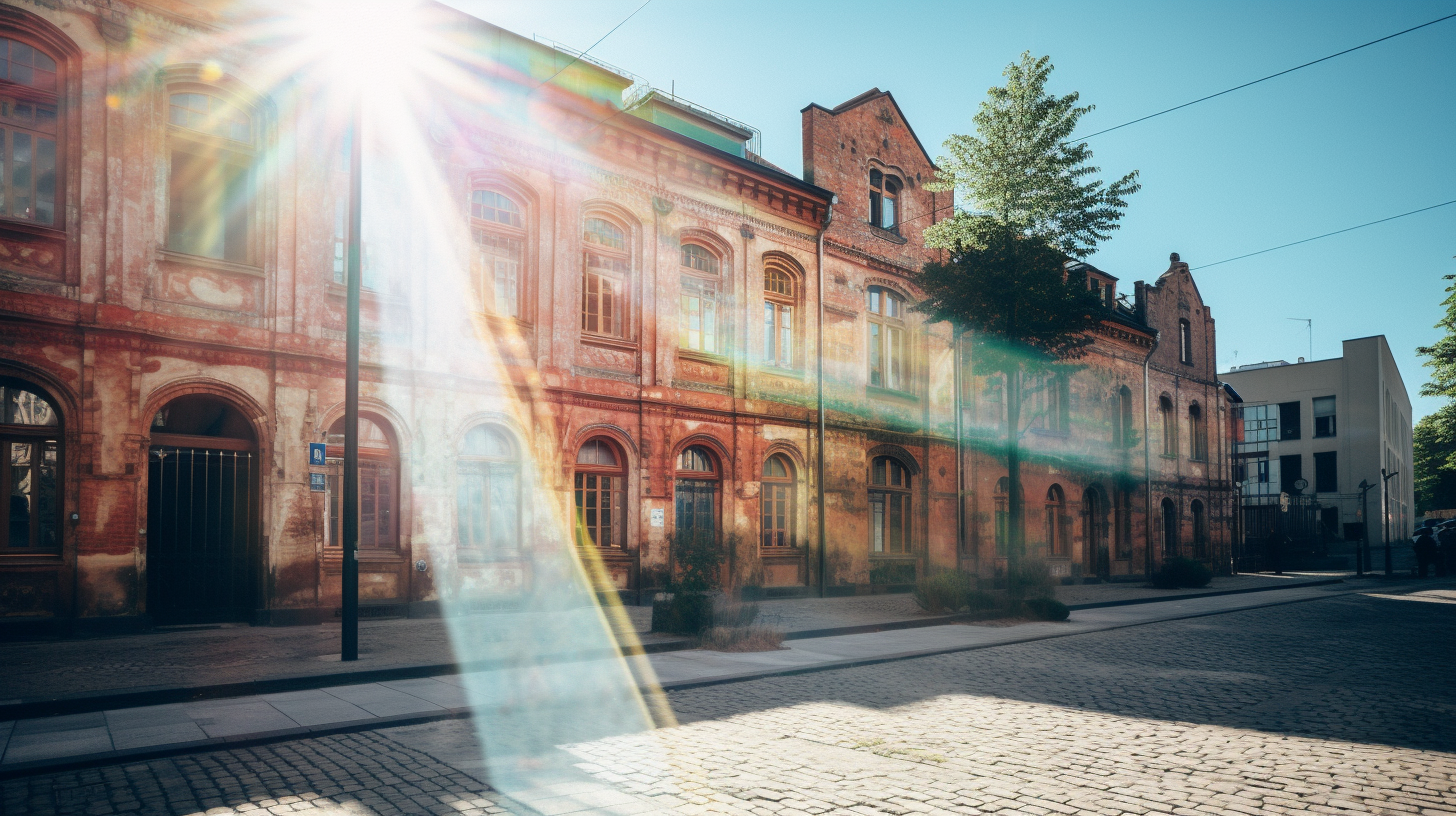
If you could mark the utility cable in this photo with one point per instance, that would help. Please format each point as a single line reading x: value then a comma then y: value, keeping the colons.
x: 1271, y: 76
x: 577, y: 58
x: 1326, y: 235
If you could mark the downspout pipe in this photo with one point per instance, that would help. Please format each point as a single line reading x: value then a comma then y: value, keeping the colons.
x: 819, y: 353
x: 1148, y: 460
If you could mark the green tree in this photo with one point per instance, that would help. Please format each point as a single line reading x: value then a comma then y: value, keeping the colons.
x: 1020, y: 170
x: 1034, y: 203
x: 1434, y: 437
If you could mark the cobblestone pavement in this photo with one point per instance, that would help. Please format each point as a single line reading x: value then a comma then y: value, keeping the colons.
x: 1346, y: 705
x: 1342, y: 705
x: 353, y: 774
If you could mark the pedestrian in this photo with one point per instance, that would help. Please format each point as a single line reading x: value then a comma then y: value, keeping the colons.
x: 1446, y: 550
x: 1274, y: 546
x: 1425, y: 546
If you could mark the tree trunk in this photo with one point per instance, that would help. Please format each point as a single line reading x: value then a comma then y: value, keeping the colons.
x: 1015, y: 517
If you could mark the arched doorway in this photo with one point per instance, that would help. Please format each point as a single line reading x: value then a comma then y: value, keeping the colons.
x: 1095, y: 559
x: 30, y: 437
x: 1170, y: 528
x: 202, y: 513
x: 696, y: 494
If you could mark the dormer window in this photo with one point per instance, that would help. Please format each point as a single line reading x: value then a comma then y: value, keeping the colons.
x: 884, y: 200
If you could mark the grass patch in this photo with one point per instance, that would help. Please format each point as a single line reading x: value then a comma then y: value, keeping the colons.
x: 749, y: 638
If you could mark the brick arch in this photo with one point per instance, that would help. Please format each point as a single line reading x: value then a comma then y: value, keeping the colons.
x: 61, y: 396
x: 607, y: 429
x: 392, y: 418
x: 896, y: 452
x: 790, y: 450
x: 708, y: 441
x: 518, y: 188
x: 225, y: 391
x: 509, y: 424
x: 711, y: 240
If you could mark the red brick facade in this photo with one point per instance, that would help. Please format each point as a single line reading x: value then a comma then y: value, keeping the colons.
x: 501, y: 409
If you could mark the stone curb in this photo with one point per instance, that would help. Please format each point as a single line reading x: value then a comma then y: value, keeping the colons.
x: 283, y: 735
x: 107, y: 701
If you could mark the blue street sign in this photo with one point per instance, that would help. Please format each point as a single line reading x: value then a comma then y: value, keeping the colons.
x: 316, y: 483
x: 316, y: 453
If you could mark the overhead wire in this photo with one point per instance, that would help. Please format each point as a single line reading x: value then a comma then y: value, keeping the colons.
x: 1267, y: 78
x: 1326, y: 235
x: 579, y: 56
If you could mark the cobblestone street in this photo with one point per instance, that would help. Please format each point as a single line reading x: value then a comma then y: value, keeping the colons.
x: 1342, y: 705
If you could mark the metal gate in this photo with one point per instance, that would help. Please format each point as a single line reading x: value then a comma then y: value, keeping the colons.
x: 202, y: 534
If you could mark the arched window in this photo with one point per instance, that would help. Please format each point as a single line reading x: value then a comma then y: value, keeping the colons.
x: 30, y: 107
x: 698, y: 319
x: 30, y: 436
x: 780, y: 302
x: 378, y: 486
x: 1003, y: 516
x: 1197, y: 434
x: 601, y: 489
x: 889, y: 506
x: 1122, y: 523
x: 884, y: 201
x: 488, y: 497
x: 498, y: 232
x: 1124, y: 436
x: 1200, y: 529
x: 695, y: 492
x: 211, y: 201
x: 1054, y: 402
x: 1056, y: 522
x: 1170, y: 427
x: 887, y: 339
x: 1185, y: 342
x: 777, y: 502
x: 1094, y: 531
x: 606, y: 268
x: 1170, y: 527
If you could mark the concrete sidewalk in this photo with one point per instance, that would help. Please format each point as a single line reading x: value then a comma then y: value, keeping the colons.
x: 86, y: 674
x: 28, y: 746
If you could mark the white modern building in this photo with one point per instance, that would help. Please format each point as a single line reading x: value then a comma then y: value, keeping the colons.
x: 1320, y: 428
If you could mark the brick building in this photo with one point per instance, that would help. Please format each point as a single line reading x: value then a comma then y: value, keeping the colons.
x: 592, y: 313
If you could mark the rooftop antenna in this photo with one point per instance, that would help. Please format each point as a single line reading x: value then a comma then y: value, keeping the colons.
x: 1309, y: 325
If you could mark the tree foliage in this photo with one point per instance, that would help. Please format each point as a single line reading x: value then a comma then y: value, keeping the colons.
x: 1020, y: 171
x: 1015, y: 296
x: 1434, y: 437
x: 1434, y: 442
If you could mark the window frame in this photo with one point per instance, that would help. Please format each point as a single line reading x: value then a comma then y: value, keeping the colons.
x: 39, y: 437
x: 1197, y: 434
x: 581, y: 474
x: 1058, y: 523
x: 780, y: 494
x: 885, y: 188
x: 1185, y: 341
x: 1327, y: 429
x: 15, y: 29
x: 490, y: 467
x: 370, y: 457
x: 893, y: 498
x: 483, y: 228
x: 706, y: 287
x: 887, y: 338
x: 620, y: 299
x: 1170, y: 427
x: 215, y: 150
x: 777, y: 306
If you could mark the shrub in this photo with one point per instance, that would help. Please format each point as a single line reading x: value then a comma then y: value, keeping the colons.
x: 1182, y: 572
x: 682, y: 613
x: 1047, y: 609
x: 978, y: 600
x: 945, y: 591
x: 1029, y: 578
x: 742, y: 639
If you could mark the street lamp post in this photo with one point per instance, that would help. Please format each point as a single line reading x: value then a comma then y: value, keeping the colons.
x: 1385, y: 515
x: 350, y: 645
x: 1362, y: 553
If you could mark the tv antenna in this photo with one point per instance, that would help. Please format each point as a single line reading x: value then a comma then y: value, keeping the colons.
x: 1308, y: 325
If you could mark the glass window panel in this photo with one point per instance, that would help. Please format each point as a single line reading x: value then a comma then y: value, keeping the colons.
x: 604, y: 233
x: 876, y: 364
x: 20, y: 175
x: 47, y: 496
x: 887, y: 209
x: 877, y: 522
x: 786, y: 336
x: 45, y: 181
x: 770, y: 353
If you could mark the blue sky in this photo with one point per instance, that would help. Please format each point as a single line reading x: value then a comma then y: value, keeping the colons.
x: 1365, y: 136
